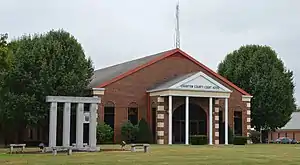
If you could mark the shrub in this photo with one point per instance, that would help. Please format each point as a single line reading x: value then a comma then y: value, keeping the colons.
x: 230, y: 135
x: 240, y: 140
x: 104, y: 133
x: 254, y: 136
x: 198, y: 139
x: 129, y: 132
x: 144, y: 134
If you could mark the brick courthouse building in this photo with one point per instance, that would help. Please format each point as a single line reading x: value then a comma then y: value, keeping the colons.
x: 174, y: 93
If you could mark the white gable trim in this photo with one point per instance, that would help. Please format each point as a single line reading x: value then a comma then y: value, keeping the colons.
x: 246, y: 98
x: 98, y: 91
x: 190, y: 93
x: 199, y: 74
x: 176, y: 90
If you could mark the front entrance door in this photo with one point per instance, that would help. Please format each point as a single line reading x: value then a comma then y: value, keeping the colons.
x: 197, y: 123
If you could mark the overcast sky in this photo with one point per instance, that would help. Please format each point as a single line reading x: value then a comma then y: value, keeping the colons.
x: 113, y: 31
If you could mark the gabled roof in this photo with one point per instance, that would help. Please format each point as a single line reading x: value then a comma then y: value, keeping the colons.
x: 106, y: 76
x: 197, y: 81
x: 294, y: 123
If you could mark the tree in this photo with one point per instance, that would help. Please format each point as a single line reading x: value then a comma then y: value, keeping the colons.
x: 4, y: 67
x: 259, y: 71
x: 144, y: 133
x: 4, y: 55
x: 43, y: 64
x: 129, y: 132
x: 104, y: 133
x: 5, y: 58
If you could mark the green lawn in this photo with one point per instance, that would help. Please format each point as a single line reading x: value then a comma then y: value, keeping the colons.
x: 175, y: 155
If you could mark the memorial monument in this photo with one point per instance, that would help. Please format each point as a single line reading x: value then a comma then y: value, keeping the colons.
x: 80, y: 119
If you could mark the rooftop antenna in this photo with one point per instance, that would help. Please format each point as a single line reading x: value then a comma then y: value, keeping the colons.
x: 177, y: 35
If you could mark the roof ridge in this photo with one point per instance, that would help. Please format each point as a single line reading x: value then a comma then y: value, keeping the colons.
x: 136, y: 59
x: 167, y: 54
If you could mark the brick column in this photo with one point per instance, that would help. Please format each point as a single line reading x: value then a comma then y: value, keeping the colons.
x: 160, y: 133
x: 216, y: 121
x: 248, y: 106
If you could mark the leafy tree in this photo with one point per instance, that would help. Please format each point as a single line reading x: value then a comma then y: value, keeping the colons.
x: 4, y: 66
x: 144, y: 134
x: 43, y: 64
x: 4, y: 55
x: 259, y: 71
x: 5, y: 58
x: 129, y: 132
x: 104, y: 133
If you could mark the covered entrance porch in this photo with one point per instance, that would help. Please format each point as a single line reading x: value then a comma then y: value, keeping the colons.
x: 176, y: 121
x: 197, y: 122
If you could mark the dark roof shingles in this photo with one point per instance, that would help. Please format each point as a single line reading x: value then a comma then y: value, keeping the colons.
x: 106, y: 74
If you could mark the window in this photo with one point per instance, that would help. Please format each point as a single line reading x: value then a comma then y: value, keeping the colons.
x: 238, y: 123
x: 220, y: 117
x: 109, y: 114
x: 133, y: 113
x: 154, y: 116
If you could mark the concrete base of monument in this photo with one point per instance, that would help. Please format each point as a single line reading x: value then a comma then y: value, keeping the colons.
x: 74, y: 149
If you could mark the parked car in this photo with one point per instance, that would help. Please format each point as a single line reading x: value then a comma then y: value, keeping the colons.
x: 294, y: 141
x: 285, y: 140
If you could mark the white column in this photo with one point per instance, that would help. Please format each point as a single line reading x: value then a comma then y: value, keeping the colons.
x: 93, y: 126
x: 210, y: 122
x: 187, y: 120
x: 226, y: 121
x: 52, y: 124
x: 66, y: 124
x: 170, y: 120
x: 79, y: 125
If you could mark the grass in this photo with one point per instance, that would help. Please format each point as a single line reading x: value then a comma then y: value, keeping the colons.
x: 163, y: 154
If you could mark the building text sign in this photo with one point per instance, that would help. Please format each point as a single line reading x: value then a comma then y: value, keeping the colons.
x: 194, y: 86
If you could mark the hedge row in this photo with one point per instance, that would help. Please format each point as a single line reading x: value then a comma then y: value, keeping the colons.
x: 240, y: 140
x: 198, y: 139
x: 202, y: 140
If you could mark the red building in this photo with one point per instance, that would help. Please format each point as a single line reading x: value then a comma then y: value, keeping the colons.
x: 174, y: 93
x: 290, y: 130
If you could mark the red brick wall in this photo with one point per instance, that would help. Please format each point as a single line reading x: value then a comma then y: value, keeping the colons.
x: 133, y: 89
x: 274, y: 135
